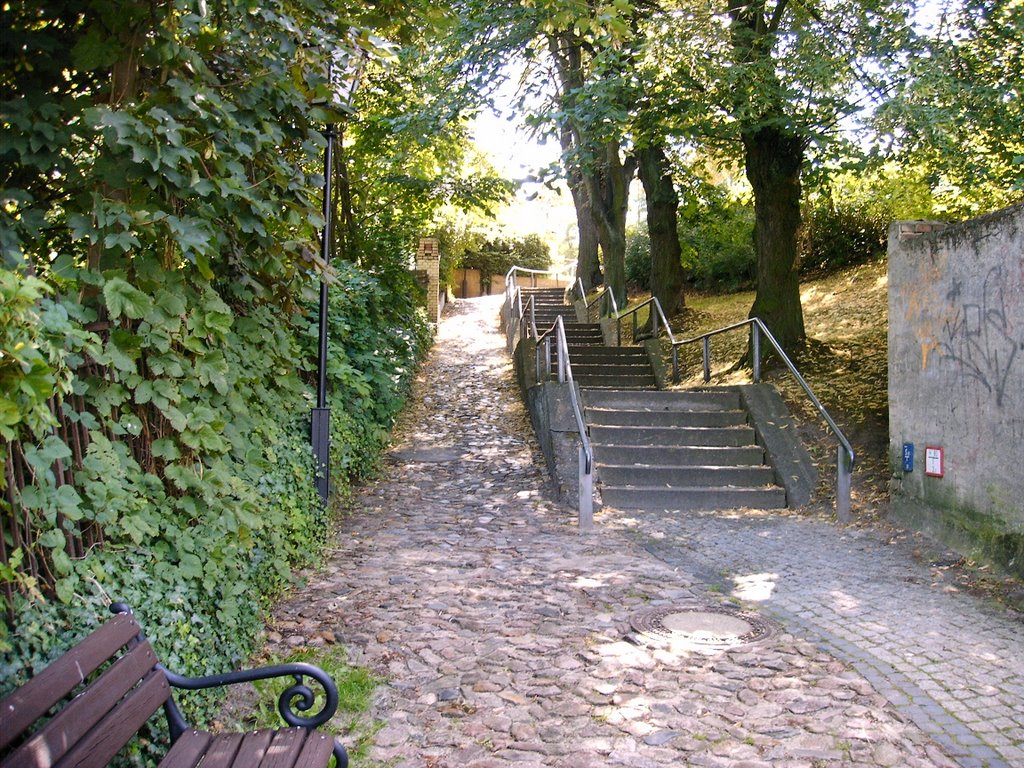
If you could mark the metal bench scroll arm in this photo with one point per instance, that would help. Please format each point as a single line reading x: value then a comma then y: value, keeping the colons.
x: 295, y: 699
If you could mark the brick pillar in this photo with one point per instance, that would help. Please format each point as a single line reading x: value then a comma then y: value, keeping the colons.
x: 428, y: 258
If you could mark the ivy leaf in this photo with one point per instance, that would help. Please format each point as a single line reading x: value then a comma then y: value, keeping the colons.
x: 166, y: 449
x: 122, y: 298
x: 191, y: 566
x: 53, y: 539
x: 171, y: 303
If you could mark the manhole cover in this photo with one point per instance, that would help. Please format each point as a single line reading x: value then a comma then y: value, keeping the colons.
x: 701, y: 628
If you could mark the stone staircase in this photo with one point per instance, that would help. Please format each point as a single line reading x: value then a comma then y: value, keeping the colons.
x: 683, y: 451
x: 593, y: 364
x: 660, y: 450
x: 549, y: 303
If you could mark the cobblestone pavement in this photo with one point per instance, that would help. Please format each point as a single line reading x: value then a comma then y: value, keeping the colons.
x: 506, y: 637
x: 950, y: 663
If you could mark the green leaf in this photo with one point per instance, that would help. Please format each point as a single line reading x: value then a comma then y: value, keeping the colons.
x: 122, y: 298
x: 94, y: 50
x: 53, y: 539
x: 166, y: 449
x: 191, y: 566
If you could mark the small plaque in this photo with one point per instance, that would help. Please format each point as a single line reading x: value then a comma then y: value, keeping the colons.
x: 933, y: 461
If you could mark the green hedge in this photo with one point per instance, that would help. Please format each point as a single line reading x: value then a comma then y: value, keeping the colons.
x: 198, y: 476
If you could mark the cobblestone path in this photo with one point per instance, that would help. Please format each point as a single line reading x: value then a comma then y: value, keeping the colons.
x: 505, y: 635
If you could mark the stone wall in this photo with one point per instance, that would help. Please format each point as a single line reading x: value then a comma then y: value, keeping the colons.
x: 956, y: 376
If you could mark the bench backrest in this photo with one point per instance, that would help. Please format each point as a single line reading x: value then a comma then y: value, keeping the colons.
x: 109, y: 702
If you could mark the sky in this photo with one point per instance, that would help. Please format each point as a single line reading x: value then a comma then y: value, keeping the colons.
x: 515, y: 155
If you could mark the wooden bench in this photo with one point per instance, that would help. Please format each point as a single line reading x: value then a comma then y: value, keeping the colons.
x: 87, y: 705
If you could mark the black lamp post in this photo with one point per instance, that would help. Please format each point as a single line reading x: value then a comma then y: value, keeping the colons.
x: 320, y: 432
x: 320, y: 428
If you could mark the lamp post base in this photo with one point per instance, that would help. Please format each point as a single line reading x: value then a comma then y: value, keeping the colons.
x: 320, y: 434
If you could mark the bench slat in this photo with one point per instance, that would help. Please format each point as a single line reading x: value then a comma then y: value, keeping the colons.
x: 23, y: 707
x: 119, y: 726
x: 316, y: 750
x: 187, y: 751
x: 285, y: 748
x: 254, y: 747
x: 222, y: 750
x: 85, y: 710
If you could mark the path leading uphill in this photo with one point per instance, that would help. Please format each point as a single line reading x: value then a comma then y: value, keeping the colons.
x: 509, y: 639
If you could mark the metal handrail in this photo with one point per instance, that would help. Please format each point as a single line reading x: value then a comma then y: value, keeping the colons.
x: 605, y: 295
x: 527, y: 330
x: 659, y: 314
x: 513, y: 273
x: 513, y: 307
x: 586, y: 451
x: 846, y: 457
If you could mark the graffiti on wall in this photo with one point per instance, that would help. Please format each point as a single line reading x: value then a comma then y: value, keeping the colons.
x: 978, y: 335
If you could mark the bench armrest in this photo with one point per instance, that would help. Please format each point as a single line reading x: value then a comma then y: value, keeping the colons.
x: 297, y: 698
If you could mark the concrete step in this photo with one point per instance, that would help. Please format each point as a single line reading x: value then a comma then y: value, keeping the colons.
x: 596, y: 354
x: 662, y: 418
x: 612, y: 381
x: 691, y: 499
x: 679, y: 456
x: 678, y: 436
x: 664, y: 401
x: 684, y: 476
x: 529, y: 291
x: 581, y: 342
x: 609, y: 367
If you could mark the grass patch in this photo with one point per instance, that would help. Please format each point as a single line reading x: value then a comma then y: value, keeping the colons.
x: 845, y: 363
x: 254, y: 706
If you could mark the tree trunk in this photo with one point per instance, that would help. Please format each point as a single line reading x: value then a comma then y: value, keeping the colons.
x: 609, y: 200
x: 588, y: 266
x: 662, y: 226
x: 605, y: 177
x: 773, y: 164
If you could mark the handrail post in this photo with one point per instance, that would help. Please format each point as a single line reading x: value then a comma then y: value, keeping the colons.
x: 654, y: 322
x: 707, y: 359
x: 586, y: 490
x: 547, y: 358
x: 561, y: 363
x: 675, y: 364
x: 843, y: 472
x: 756, y: 344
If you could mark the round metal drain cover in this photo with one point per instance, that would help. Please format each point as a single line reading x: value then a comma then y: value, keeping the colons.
x: 701, y: 628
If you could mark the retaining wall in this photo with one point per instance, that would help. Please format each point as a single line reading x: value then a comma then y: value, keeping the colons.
x: 956, y: 378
